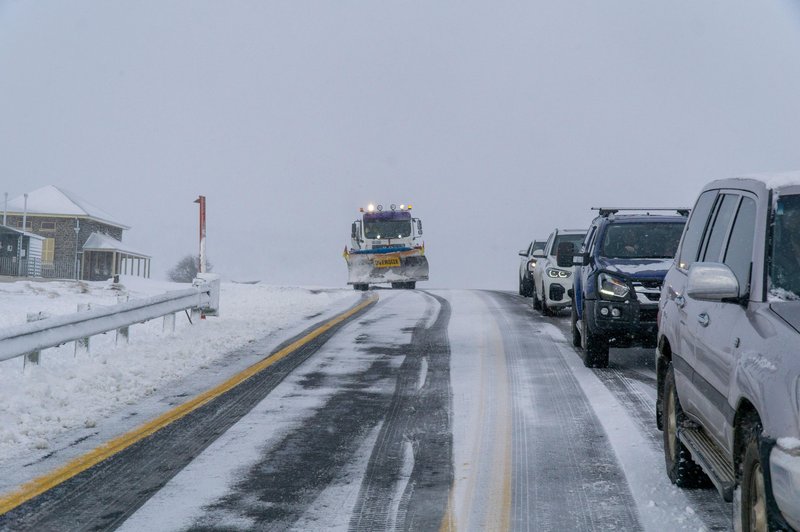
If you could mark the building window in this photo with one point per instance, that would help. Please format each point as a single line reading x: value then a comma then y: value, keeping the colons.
x: 47, y: 227
x: 48, y: 250
x: 28, y: 225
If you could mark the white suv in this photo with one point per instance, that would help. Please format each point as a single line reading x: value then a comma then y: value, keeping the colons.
x: 551, y: 282
x: 526, y: 267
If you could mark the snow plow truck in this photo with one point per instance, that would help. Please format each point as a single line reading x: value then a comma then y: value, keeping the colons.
x: 386, y: 247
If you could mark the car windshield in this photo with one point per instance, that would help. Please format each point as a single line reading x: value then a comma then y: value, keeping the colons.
x: 785, y: 249
x: 575, y: 240
x: 387, y: 228
x: 641, y: 240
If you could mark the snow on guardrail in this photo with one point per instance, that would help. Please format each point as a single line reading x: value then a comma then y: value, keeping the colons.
x: 34, y: 336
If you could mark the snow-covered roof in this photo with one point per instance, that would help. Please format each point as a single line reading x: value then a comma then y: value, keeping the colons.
x: 101, y: 242
x: 20, y: 232
x: 776, y: 180
x: 55, y: 201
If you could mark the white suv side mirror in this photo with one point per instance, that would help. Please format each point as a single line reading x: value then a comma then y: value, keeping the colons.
x: 711, y: 281
x: 538, y: 254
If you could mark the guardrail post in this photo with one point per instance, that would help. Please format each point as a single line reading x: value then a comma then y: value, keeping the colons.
x: 33, y: 357
x: 169, y: 323
x: 122, y: 332
x: 82, y: 344
x: 211, y: 283
x: 196, y: 313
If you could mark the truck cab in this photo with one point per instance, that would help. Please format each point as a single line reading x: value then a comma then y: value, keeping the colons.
x: 386, y: 246
x: 379, y: 229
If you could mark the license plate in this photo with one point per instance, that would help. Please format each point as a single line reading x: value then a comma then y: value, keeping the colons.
x: 387, y: 262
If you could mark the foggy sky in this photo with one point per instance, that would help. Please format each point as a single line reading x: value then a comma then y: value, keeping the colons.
x: 498, y: 121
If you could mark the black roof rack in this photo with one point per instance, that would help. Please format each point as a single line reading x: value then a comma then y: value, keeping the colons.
x: 607, y: 211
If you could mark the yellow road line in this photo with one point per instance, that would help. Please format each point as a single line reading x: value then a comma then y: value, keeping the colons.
x: 500, y: 496
x: 448, y: 522
x: 46, y: 482
x: 495, y: 451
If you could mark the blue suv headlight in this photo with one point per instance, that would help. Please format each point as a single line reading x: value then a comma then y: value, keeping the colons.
x: 612, y: 288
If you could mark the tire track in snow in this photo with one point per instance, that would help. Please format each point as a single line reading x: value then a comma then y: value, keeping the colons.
x: 566, y: 476
x: 482, y: 419
x: 418, y: 420
x: 623, y: 403
x: 707, y: 503
x: 631, y: 379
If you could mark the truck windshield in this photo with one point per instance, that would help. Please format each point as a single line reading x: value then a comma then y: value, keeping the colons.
x: 387, y: 228
x: 642, y: 240
x: 785, y: 250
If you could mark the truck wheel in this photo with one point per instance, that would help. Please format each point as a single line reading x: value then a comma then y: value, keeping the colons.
x: 576, y: 335
x: 521, y: 290
x: 535, y: 296
x: 681, y: 469
x: 595, y: 346
x: 752, y: 511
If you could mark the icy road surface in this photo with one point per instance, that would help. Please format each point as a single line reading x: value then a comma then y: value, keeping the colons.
x: 430, y: 410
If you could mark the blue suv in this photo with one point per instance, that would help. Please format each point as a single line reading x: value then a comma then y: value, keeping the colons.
x: 622, y: 264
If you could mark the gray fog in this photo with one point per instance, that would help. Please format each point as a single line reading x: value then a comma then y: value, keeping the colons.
x: 497, y: 121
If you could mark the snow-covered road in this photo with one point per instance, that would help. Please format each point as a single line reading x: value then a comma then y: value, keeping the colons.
x: 585, y: 452
x: 450, y: 410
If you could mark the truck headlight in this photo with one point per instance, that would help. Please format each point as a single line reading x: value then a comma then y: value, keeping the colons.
x: 531, y: 265
x: 554, y: 273
x: 612, y: 288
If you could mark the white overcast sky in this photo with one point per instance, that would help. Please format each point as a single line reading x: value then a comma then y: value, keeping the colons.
x: 497, y: 120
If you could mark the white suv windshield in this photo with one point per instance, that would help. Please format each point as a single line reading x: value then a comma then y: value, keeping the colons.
x: 576, y: 241
x: 785, y: 249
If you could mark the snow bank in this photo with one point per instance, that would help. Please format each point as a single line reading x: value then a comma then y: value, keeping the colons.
x: 789, y: 444
x: 67, y: 392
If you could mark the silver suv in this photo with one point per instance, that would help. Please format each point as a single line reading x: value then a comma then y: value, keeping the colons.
x: 728, y: 355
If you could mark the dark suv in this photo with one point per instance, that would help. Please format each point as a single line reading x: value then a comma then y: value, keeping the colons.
x: 624, y: 259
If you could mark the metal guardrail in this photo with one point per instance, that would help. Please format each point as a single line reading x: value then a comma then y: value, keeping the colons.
x: 51, y: 332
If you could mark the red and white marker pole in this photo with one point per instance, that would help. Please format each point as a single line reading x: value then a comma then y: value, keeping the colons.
x: 202, y: 201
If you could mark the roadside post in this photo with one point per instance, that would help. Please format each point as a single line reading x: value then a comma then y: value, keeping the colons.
x: 122, y: 332
x: 202, y: 257
x: 82, y: 344
x: 32, y: 358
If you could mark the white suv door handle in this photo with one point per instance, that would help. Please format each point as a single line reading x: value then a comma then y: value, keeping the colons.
x: 680, y: 301
x: 703, y: 319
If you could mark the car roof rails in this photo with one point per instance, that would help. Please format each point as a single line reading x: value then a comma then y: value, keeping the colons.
x: 607, y: 211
